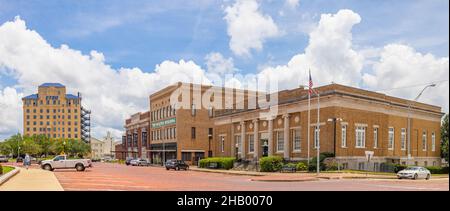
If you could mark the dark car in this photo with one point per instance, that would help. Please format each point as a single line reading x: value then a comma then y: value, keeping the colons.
x: 19, y: 159
x: 128, y: 160
x: 177, y: 165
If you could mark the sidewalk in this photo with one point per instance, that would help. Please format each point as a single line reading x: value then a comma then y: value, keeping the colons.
x: 301, y: 176
x: 32, y: 180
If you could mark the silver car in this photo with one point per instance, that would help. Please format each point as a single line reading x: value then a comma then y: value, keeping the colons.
x: 139, y: 162
x: 414, y: 172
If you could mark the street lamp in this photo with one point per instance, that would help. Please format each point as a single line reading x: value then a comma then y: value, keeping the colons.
x: 409, y: 118
x: 237, y: 150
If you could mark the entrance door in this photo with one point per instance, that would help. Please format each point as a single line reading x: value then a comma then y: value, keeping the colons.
x: 265, y: 147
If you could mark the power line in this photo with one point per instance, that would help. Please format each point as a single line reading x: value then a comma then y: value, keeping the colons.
x: 411, y: 86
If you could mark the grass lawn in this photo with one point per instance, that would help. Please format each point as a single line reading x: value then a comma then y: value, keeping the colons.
x: 7, y: 169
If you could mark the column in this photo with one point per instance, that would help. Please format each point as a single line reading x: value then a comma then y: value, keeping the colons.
x: 256, y: 144
x: 233, y: 145
x: 270, y: 144
x: 243, y: 141
x: 286, y: 137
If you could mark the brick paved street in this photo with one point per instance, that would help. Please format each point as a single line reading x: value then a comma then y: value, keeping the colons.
x: 120, y: 177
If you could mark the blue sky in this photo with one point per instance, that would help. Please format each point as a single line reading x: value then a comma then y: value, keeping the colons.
x: 144, y: 33
x: 119, y: 52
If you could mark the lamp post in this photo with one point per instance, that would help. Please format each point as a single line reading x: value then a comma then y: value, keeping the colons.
x: 237, y: 151
x: 409, y: 119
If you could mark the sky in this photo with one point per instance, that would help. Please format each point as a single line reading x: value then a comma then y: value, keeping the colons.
x: 118, y: 52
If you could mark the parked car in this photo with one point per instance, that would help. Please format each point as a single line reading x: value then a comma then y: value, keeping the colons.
x: 61, y: 162
x: 177, y: 165
x: 128, y: 160
x: 19, y: 159
x: 3, y: 159
x: 139, y: 162
x: 414, y: 172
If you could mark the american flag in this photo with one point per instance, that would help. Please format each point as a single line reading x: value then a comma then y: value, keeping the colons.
x: 310, y: 83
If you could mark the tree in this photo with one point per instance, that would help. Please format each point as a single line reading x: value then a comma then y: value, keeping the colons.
x: 30, y: 146
x: 444, y: 138
x: 11, y: 145
x: 45, y: 144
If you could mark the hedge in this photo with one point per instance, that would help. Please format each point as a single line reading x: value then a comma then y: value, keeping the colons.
x: 322, y: 156
x: 271, y: 163
x: 437, y: 169
x: 222, y: 162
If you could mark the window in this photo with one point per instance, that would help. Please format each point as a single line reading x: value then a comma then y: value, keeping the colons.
x: 222, y: 143
x: 316, y: 136
x: 210, y: 112
x: 391, y: 138
x: 280, y: 141
x: 186, y: 156
x: 361, y: 166
x: 251, y: 143
x: 375, y: 137
x: 433, y: 142
x: 238, y: 142
x: 344, y: 136
x: 360, y: 137
x: 403, y: 139
x: 193, y: 110
x: 297, y: 142
x: 193, y: 132
x: 424, y: 141
x: 144, y: 138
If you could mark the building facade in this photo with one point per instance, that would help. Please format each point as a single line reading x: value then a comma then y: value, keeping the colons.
x: 54, y: 113
x: 135, y: 141
x: 104, y: 148
x: 352, y: 123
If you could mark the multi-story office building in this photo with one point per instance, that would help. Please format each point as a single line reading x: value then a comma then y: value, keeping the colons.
x: 352, y: 123
x: 54, y: 113
x: 104, y: 148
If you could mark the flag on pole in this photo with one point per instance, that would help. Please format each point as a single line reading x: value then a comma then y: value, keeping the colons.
x: 310, y: 83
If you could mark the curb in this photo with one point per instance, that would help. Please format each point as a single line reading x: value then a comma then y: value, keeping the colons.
x: 9, y: 175
x: 225, y: 172
x: 281, y: 180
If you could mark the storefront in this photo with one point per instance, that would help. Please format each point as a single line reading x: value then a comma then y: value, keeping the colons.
x: 156, y: 152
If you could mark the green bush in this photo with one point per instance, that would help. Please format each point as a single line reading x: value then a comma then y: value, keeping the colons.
x: 399, y: 167
x: 301, y: 166
x: 437, y: 169
x: 1, y: 169
x: 322, y: 156
x: 271, y: 163
x: 222, y: 162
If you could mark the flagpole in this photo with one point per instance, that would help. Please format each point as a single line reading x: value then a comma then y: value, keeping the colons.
x: 309, y: 115
x: 318, y: 133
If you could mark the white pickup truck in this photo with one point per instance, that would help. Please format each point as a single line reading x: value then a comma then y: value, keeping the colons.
x: 61, y: 162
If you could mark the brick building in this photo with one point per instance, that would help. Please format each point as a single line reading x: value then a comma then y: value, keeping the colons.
x: 54, y: 113
x: 135, y: 142
x: 352, y: 122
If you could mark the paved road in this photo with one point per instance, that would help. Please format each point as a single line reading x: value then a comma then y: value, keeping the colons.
x: 120, y: 177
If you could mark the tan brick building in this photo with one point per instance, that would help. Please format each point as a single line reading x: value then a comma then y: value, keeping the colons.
x: 352, y: 122
x: 54, y: 113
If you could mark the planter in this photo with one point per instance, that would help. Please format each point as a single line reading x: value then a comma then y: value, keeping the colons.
x: 9, y: 175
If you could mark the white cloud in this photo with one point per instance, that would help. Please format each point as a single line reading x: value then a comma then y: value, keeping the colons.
x: 10, y: 111
x: 111, y: 94
x: 216, y: 63
x: 401, y: 66
x: 292, y: 3
x: 329, y: 55
x: 248, y: 28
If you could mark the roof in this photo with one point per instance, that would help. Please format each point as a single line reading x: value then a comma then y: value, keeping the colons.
x: 51, y: 85
x: 33, y: 96
x: 71, y: 96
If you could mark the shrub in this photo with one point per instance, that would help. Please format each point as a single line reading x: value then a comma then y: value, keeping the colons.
x: 1, y: 169
x: 437, y: 169
x: 222, y: 162
x: 322, y: 157
x: 301, y: 166
x: 399, y: 167
x: 271, y: 164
